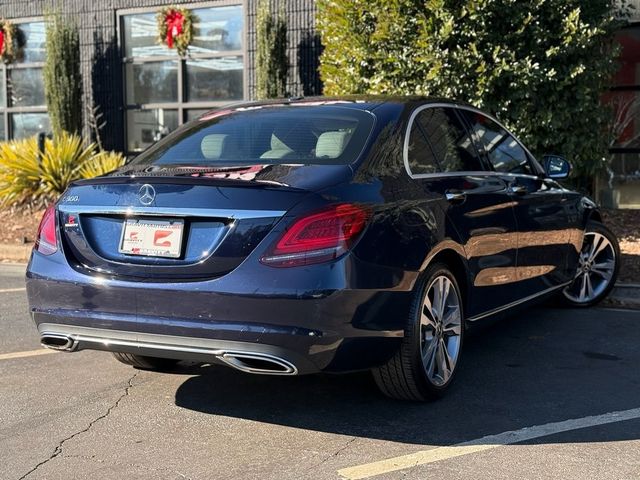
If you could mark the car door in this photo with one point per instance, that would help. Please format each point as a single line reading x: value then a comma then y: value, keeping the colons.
x: 442, y: 158
x: 540, y: 204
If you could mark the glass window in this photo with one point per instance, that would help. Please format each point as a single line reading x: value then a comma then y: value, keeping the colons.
x: 157, y: 79
x: 626, y: 128
x: 146, y: 127
x: 440, y: 143
x: 267, y: 135
x: 629, y: 60
x: 625, y: 164
x: 140, y: 36
x: 33, y: 35
x: 28, y: 124
x: 152, y: 82
x: 26, y: 87
x: 217, y: 30
x: 422, y: 158
x: 503, y: 151
x: 3, y: 92
x: 219, y: 78
x: 23, y: 110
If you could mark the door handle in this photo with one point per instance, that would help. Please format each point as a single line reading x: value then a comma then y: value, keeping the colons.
x: 455, y: 196
x: 518, y: 189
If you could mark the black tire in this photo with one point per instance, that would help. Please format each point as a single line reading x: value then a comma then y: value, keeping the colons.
x: 145, y: 363
x: 570, y: 294
x: 404, y: 377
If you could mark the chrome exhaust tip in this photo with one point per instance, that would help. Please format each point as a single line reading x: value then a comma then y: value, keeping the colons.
x: 57, y: 341
x: 258, y: 363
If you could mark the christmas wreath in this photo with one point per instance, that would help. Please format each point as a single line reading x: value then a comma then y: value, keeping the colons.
x: 8, y: 41
x: 175, y: 28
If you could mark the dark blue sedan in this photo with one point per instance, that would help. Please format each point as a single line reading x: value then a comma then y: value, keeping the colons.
x: 301, y: 236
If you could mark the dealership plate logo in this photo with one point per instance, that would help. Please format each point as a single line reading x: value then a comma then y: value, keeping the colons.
x: 147, y: 194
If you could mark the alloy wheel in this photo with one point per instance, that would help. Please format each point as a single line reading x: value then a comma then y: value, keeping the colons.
x: 596, y: 267
x: 440, y: 330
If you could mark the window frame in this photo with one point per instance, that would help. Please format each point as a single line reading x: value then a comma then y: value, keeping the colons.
x: 488, y: 170
x: 7, y: 111
x: 182, y: 106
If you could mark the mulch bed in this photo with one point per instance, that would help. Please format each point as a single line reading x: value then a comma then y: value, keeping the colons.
x: 19, y: 227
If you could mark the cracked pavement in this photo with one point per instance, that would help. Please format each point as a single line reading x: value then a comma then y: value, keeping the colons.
x: 59, y: 448
x: 84, y: 415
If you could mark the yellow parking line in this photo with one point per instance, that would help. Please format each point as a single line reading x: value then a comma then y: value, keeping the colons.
x: 30, y: 353
x: 482, y: 444
x: 9, y: 290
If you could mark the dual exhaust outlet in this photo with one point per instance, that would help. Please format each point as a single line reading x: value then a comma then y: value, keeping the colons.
x: 249, y: 362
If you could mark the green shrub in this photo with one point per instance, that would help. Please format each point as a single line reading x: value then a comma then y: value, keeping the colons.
x: 61, y: 74
x: 540, y: 66
x: 272, y: 64
x: 102, y: 163
x: 31, y: 177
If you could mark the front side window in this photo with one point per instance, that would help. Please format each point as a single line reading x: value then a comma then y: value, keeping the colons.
x: 439, y: 142
x: 162, y: 89
x: 23, y: 111
x: 269, y: 135
x: 504, y: 152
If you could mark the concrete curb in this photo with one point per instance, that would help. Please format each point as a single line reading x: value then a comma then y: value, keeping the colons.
x: 15, y: 253
x: 625, y: 294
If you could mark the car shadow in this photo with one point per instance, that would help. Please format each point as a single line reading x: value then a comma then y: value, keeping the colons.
x: 545, y: 365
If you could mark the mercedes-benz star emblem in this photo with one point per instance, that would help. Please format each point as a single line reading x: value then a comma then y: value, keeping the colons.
x: 147, y: 194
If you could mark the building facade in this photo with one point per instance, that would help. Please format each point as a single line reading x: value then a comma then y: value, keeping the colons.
x: 620, y: 188
x: 138, y: 88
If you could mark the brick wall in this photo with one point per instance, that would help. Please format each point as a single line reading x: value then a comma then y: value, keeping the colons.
x: 101, y: 59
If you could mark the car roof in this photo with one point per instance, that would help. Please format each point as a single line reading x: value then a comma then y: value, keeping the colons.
x: 359, y: 102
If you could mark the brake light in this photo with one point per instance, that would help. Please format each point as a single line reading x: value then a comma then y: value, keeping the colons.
x: 46, y: 242
x: 320, y: 237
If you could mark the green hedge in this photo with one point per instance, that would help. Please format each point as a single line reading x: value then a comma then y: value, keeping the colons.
x: 541, y: 66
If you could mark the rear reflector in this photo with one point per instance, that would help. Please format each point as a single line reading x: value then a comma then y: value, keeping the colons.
x: 320, y: 237
x: 46, y: 242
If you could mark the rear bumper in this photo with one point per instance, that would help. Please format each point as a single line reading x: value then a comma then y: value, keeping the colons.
x: 337, y: 328
x: 262, y: 359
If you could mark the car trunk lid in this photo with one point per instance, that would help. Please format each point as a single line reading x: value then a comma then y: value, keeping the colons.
x: 222, y: 220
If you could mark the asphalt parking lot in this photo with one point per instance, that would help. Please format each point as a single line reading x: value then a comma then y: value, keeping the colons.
x: 564, y: 385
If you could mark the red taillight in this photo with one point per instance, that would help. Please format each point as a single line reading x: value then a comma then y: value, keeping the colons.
x: 319, y: 237
x: 46, y: 242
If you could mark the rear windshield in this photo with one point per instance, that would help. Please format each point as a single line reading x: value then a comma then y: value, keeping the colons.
x: 295, y: 134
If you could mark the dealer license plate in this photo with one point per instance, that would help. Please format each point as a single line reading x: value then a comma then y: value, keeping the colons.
x: 152, y: 238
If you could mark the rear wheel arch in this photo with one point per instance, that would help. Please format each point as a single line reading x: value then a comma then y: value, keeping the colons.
x: 594, y: 215
x: 458, y: 266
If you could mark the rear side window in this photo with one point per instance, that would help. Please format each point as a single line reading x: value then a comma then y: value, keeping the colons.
x: 503, y: 151
x: 438, y: 142
x: 272, y: 134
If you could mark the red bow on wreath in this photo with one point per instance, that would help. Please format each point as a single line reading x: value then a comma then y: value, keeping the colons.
x: 175, y: 22
x: 1, y: 41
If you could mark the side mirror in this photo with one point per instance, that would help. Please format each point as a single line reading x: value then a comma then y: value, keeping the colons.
x: 556, y: 167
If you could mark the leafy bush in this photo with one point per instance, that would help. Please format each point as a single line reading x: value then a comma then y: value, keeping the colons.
x: 31, y: 177
x: 101, y: 163
x: 540, y: 66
